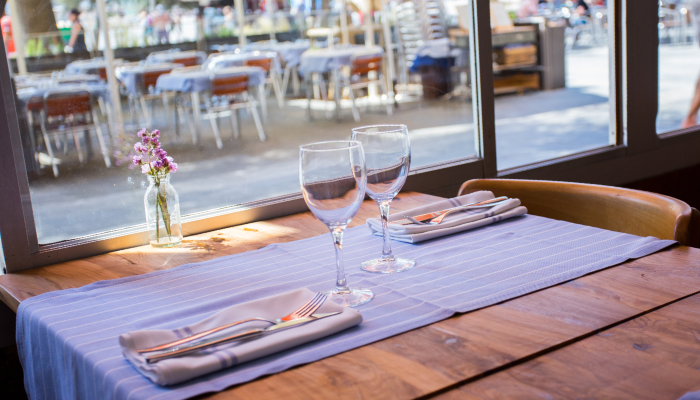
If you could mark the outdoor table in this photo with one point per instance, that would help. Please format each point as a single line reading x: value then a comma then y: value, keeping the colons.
x: 91, y: 66
x: 130, y: 76
x: 290, y: 52
x: 238, y: 59
x: 623, y: 332
x: 170, y: 56
x: 331, y: 60
x: 89, y: 79
x: 195, y: 82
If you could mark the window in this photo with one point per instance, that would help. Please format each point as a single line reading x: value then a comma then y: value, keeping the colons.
x: 679, y: 65
x: 551, y: 78
x: 571, y: 121
x: 156, y: 67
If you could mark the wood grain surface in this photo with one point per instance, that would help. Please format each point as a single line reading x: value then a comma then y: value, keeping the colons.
x: 19, y: 286
x: 655, y: 356
x: 444, y: 358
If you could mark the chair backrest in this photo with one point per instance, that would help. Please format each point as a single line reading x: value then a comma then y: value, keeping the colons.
x: 227, y: 85
x: 102, y: 72
x: 186, y: 61
x: 61, y: 104
x: 151, y: 77
x: 363, y: 65
x: 264, y: 63
x: 35, y: 104
x: 617, y: 209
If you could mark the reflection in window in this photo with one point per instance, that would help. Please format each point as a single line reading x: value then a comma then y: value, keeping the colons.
x: 229, y: 89
x: 679, y: 65
x: 551, y: 78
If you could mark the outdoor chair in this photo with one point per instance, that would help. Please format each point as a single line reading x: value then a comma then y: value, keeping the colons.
x: 187, y: 61
x: 229, y: 93
x: 70, y: 110
x: 617, y: 209
x: 360, y: 77
x: 146, y: 90
x: 266, y: 62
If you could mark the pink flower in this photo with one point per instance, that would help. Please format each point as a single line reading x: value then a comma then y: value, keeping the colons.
x: 155, y: 142
x: 146, y: 140
x: 138, y: 147
x: 173, y: 167
x: 141, y: 132
x: 155, y: 133
x: 160, y: 153
x: 137, y: 160
x: 145, y: 168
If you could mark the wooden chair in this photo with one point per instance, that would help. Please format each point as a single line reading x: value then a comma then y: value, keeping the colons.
x: 230, y: 91
x: 359, y: 77
x: 146, y: 91
x: 617, y: 209
x: 70, y: 110
x: 187, y: 61
x: 273, y: 78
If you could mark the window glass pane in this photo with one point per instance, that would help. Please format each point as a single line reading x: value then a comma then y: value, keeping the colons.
x: 181, y: 68
x: 551, y: 77
x: 679, y: 64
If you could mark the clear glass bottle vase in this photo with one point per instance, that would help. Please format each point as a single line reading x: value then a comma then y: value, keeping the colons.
x: 162, y: 212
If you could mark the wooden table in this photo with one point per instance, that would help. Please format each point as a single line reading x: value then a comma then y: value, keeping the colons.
x: 630, y: 331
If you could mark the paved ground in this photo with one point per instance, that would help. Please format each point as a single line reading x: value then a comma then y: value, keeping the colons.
x: 531, y: 127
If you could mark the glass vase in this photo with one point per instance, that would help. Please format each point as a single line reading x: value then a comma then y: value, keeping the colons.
x: 162, y: 212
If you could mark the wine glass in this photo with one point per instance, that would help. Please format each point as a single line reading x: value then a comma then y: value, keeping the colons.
x: 333, y: 182
x: 388, y: 158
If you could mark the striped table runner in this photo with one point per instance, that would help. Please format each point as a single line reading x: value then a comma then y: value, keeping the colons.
x: 68, y: 339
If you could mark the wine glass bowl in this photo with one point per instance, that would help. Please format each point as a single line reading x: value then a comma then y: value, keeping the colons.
x: 387, y: 158
x: 333, y: 182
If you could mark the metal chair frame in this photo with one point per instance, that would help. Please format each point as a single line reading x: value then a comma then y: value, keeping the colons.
x: 231, y: 89
x: 76, y: 111
x: 360, y: 70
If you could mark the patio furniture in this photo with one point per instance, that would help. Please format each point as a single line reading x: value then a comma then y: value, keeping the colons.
x: 229, y: 92
x: 364, y: 72
x: 315, y: 63
x: 70, y: 109
x: 140, y: 85
x: 270, y: 64
x: 617, y: 209
x: 194, y: 82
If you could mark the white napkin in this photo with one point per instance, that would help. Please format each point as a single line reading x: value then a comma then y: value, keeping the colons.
x: 453, y: 223
x: 180, y: 369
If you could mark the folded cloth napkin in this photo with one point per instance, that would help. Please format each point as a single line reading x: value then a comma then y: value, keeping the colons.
x: 180, y: 369
x: 453, y: 223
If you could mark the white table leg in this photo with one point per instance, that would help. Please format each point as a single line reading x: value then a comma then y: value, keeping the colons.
x: 262, y: 100
x: 196, y: 108
x: 336, y: 93
x: 296, y: 85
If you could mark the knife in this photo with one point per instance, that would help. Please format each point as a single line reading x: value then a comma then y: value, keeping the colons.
x: 478, y: 204
x: 251, y: 334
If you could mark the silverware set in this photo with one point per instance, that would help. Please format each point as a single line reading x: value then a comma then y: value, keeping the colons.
x: 301, y: 316
x: 435, y: 218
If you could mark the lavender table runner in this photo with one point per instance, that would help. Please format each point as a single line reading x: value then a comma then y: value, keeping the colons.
x: 68, y: 339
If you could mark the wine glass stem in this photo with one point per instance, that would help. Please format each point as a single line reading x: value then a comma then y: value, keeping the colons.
x: 341, y: 285
x: 384, y: 212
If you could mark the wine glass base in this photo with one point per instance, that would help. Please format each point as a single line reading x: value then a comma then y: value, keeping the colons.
x: 388, y: 267
x: 350, y: 298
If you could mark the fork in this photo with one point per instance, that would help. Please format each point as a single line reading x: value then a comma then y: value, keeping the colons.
x: 437, y: 220
x: 307, y: 309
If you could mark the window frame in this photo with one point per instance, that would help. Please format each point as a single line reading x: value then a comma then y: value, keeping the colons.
x: 635, y: 151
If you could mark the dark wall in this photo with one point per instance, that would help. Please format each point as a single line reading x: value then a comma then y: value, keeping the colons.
x: 683, y: 184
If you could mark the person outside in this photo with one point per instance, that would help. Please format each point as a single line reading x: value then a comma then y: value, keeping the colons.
x: 692, y: 118
x: 161, y: 20
x: 76, y: 43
